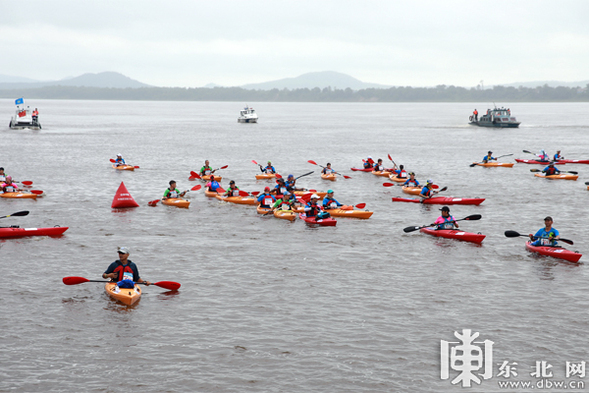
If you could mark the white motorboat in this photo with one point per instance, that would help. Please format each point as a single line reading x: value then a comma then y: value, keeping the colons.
x: 24, y: 117
x: 247, y: 115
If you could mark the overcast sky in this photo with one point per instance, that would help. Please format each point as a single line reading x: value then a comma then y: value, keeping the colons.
x: 191, y: 43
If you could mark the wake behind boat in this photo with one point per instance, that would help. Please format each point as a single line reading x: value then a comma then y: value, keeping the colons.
x: 24, y: 117
x: 247, y: 115
x: 498, y: 118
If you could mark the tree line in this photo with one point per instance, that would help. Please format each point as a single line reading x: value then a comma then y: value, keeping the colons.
x: 440, y: 93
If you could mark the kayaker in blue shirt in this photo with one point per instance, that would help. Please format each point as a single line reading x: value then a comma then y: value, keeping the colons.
x: 280, y: 188
x: 368, y: 163
x: 411, y: 182
x: 327, y: 170
x: 400, y: 173
x: 291, y: 184
x: 212, y: 185
x: 329, y: 202
x: 557, y: 156
x: 489, y: 157
x: 378, y: 167
x: 269, y: 169
x: 312, y: 209
x: 120, y: 161
x: 551, y: 170
x: 124, y: 269
x: 546, y: 236
x: 427, y: 191
x: 445, y: 221
x: 266, y: 199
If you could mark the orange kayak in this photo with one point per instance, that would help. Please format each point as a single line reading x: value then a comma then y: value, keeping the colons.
x: 492, y: 164
x: 320, y: 194
x: 562, y: 176
x: 19, y: 195
x: 328, y: 176
x: 124, y: 167
x: 262, y: 210
x: 348, y: 211
x: 394, y: 178
x: 412, y: 190
x: 208, y: 177
x: 266, y: 176
x: 211, y: 194
x: 178, y: 202
x: 247, y: 200
x: 126, y: 296
x: 285, y: 214
x: 382, y: 173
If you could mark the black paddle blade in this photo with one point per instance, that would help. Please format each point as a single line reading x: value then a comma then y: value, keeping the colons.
x: 512, y: 234
x: 472, y: 165
x: 526, y: 151
x: 411, y: 229
x: 573, y: 172
x: 474, y: 217
x: 535, y: 170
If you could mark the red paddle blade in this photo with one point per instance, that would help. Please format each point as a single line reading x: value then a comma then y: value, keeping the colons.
x: 73, y: 280
x: 311, y: 190
x: 278, y: 176
x: 196, y: 188
x: 171, y: 285
x: 153, y: 203
x: 390, y: 158
x: 219, y: 190
x: 255, y: 162
x: 243, y: 193
x: 346, y: 177
x: 312, y: 162
x: 37, y: 192
x: 112, y: 160
x: 307, y: 197
x: 387, y: 184
x: 223, y: 167
x: 136, y: 167
x: 255, y: 193
x: 194, y: 174
x: 27, y: 183
x: 435, y: 186
x: 192, y: 178
x: 361, y: 205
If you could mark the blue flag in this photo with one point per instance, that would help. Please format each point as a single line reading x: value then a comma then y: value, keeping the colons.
x: 19, y: 101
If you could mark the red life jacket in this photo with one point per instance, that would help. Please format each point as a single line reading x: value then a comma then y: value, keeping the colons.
x: 121, y: 269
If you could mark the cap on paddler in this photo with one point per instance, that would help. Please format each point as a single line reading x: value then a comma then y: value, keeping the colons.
x: 314, y: 196
x: 267, y: 188
x: 123, y: 250
x: 489, y: 152
x: 429, y: 181
x: 445, y: 209
x: 548, y: 218
x: 330, y: 191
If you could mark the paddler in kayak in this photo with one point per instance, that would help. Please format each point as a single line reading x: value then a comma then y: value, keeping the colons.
x: 400, y: 172
x: 327, y: 169
x: 124, y: 271
x: 551, y: 170
x: 269, y: 169
x: 546, y: 236
x: 9, y: 185
x: 445, y: 221
x: 120, y: 161
x: 412, y: 181
x: 312, y: 209
x: 232, y: 190
x: 212, y: 185
x: 172, y: 191
x: 427, y: 191
x: 280, y: 188
x: 266, y: 199
x: 2, y: 175
x: 287, y: 202
x: 329, y: 202
x: 369, y: 163
x: 291, y: 184
x: 206, y: 170
x: 543, y: 156
x: 378, y: 167
x: 557, y: 156
x: 489, y: 157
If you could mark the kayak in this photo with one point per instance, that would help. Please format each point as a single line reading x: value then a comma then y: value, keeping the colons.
x: 128, y: 296
x: 397, y: 179
x: 381, y: 173
x: 362, y: 169
x: 412, y: 190
x: 211, y: 194
x: 328, y: 176
x: 320, y: 194
x: 536, y: 162
x: 443, y: 201
x: 326, y: 222
x: 561, y: 176
x: 454, y: 234
x: 348, y: 211
x: 493, y: 164
x: 285, y: 214
x: 124, y: 167
x: 572, y: 162
x: 22, y: 232
x: 555, y: 252
x: 19, y: 195
x: 178, y: 202
x: 208, y: 177
x: 247, y: 200
x: 266, y: 176
x: 262, y: 210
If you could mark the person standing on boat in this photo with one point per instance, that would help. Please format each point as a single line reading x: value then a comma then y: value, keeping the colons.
x: 412, y: 181
x: 427, y: 191
x: 266, y: 199
x: 551, y: 170
x: 489, y: 157
x: 378, y: 167
x: 327, y: 170
x: 269, y: 169
x: 546, y: 236
x: 212, y: 185
x: 445, y: 221
x: 35, y: 115
x: 329, y: 202
x: 124, y: 269
x: 9, y: 185
x: 120, y: 161
x: 172, y: 191
x: 557, y: 156
x: 476, y: 115
x: 206, y: 170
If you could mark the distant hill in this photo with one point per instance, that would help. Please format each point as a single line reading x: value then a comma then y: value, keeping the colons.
x: 102, y: 79
x: 549, y: 83
x: 315, y: 79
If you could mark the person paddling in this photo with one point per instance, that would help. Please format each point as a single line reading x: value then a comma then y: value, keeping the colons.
x: 269, y: 169
x: 2, y: 175
x: 543, y: 156
x: 412, y: 181
x: 445, y: 221
x: 212, y: 185
x: 291, y: 184
x: 124, y: 271
x: 327, y: 169
x: 489, y: 157
x: 266, y: 199
x: 9, y: 185
x: 369, y: 163
x: 329, y: 202
x: 546, y: 236
x: 551, y: 170
x: 378, y: 167
x: 120, y: 161
x: 287, y: 202
x: 312, y: 209
x: 206, y: 170
x: 557, y: 156
x: 233, y: 190
x: 427, y: 191
x: 400, y: 172
x: 280, y: 188
x: 172, y: 191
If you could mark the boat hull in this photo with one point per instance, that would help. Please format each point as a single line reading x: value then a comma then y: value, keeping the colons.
x: 247, y: 120
x: 395, y: 178
x: 128, y: 296
x: 266, y: 176
x: 454, y: 234
x: 443, y: 201
x: 285, y: 214
x: 18, y: 195
x: 124, y: 167
x: 23, y: 232
x: 381, y: 173
x: 328, y: 176
x: 555, y: 252
x: 362, y: 169
x: 411, y: 190
x: 263, y: 210
x: 495, y: 125
x: 562, y: 176
x: 208, y: 178
x: 178, y: 202
x: 348, y: 211
x: 326, y: 222
x: 494, y: 164
x: 24, y: 125
x: 238, y: 199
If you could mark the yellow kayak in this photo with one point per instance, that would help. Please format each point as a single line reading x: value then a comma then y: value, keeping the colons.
x: 128, y: 296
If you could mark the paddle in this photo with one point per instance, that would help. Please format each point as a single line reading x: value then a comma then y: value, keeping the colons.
x: 390, y: 158
x: 314, y: 163
x: 587, y: 183
x: 37, y: 192
x: 516, y: 234
x: 473, y: 217
x: 504, y: 155
x: 306, y: 174
x: 434, y: 186
x: 223, y: 167
x: 73, y: 280
x: 22, y: 213
x: 196, y: 188
x: 538, y: 170
x: 194, y: 175
x: 27, y: 182
x: 113, y: 161
x: 155, y: 201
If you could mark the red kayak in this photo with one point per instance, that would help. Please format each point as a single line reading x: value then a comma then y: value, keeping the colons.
x: 572, y: 162
x: 454, y: 234
x: 538, y: 162
x: 443, y: 201
x: 22, y: 232
x: 362, y: 169
x: 555, y: 252
x: 326, y: 222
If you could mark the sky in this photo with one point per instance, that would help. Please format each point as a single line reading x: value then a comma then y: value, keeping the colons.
x: 191, y: 43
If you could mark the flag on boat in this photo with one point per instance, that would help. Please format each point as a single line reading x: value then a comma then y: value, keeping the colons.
x: 19, y: 101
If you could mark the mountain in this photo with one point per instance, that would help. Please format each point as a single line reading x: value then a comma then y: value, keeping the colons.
x: 549, y: 83
x: 102, y: 79
x: 315, y: 79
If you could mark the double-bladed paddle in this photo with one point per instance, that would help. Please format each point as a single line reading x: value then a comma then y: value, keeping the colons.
x: 22, y: 213
x: 516, y: 234
x: 155, y: 201
x: 73, y: 280
x: 473, y: 217
x: 538, y: 170
x: 314, y: 163
x: 434, y: 186
x: 390, y: 158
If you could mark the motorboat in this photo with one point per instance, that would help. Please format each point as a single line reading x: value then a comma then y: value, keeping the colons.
x: 24, y: 117
x: 247, y: 115
x: 498, y: 118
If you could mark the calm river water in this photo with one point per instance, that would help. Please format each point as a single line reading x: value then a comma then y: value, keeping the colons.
x: 272, y: 306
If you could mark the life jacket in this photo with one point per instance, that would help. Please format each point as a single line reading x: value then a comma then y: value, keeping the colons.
x: 411, y: 183
x: 312, y: 210
x: 285, y: 205
x: 205, y: 170
x: 172, y: 193
x: 327, y: 171
x: 550, y: 171
x: 402, y: 174
x: 9, y: 187
x: 120, y: 161
x: 269, y: 169
x: 426, y: 193
x: 213, y: 185
x: 290, y: 185
x: 267, y: 201
x: 447, y: 224
x: 330, y: 203
x: 124, y: 272
x: 280, y: 190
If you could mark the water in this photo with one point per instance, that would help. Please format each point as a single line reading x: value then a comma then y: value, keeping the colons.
x: 272, y: 306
